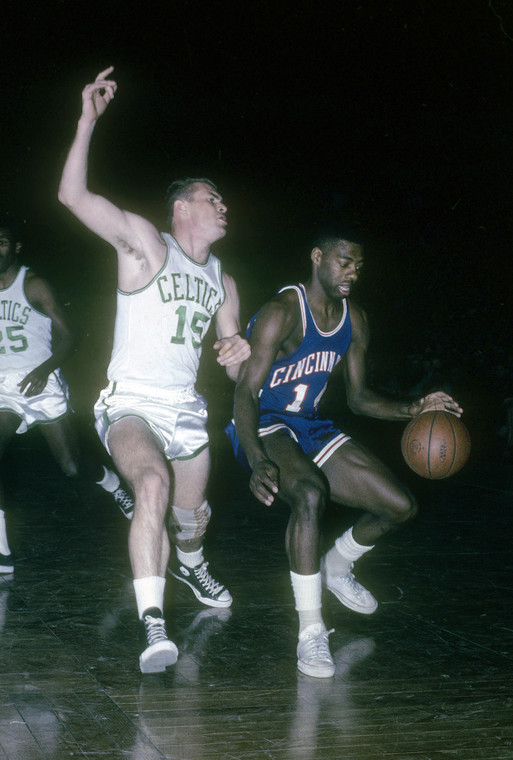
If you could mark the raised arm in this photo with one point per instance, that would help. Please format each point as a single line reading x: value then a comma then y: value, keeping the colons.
x: 232, y: 348
x: 274, y: 324
x: 41, y: 296
x: 119, y: 228
x: 363, y: 400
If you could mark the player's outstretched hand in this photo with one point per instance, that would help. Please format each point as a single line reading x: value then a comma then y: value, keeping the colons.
x: 438, y: 401
x: 34, y: 383
x: 232, y: 351
x: 264, y: 481
x: 97, y: 96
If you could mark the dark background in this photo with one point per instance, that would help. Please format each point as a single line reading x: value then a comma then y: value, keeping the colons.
x: 397, y: 114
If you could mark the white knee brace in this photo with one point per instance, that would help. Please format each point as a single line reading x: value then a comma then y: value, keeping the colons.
x: 187, y: 524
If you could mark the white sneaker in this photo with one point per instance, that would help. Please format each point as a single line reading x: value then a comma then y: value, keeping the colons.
x: 313, y: 652
x: 349, y: 591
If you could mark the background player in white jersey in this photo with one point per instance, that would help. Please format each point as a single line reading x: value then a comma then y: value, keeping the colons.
x: 296, y: 340
x: 169, y: 289
x: 35, y: 339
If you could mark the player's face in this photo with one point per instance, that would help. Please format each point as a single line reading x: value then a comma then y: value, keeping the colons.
x: 208, y: 212
x: 7, y: 251
x: 339, y: 269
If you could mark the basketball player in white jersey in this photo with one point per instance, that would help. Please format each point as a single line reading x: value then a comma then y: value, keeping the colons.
x: 150, y: 417
x: 35, y: 339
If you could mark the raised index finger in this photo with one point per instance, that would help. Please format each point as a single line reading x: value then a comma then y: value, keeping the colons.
x: 105, y: 73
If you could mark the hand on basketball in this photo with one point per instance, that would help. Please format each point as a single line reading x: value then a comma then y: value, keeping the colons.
x: 232, y: 351
x: 34, y: 383
x: 438, y: 401
x: 97, y: 96
x: 264, y: 481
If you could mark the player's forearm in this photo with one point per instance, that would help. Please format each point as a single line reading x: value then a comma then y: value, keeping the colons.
x: 233, y: 371
x: 370, y: 404
x: 246, y: 424
x: 64, y: 345
x: 73, y: 185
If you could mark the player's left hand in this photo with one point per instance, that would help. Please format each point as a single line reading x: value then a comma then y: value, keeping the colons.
x: 232, y: 351
x: 438, y: 401
x: 34, y: 383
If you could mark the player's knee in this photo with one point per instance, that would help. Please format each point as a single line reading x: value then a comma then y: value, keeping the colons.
x: 70, y: 468
x: 151, y: 486
x: 405, y: 508
x: 309, y: 499
x: 189, y: 524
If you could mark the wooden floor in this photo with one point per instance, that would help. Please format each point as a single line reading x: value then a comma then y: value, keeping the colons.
x: 428, y: 677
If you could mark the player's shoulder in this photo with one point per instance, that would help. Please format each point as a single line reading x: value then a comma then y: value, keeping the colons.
x: 35, y: 283
x: 358, y: 319
x: 356, y: 312
x: 282, y: 312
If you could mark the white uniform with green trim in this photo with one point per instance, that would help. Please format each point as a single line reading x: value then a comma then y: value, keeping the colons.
x: 157, y: 348
x: 25, y: 343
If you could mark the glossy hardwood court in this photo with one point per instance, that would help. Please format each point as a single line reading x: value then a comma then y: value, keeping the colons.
x: 428, y: 677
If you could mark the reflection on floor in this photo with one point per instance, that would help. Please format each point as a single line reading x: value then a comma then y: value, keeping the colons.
x: 429, y: 676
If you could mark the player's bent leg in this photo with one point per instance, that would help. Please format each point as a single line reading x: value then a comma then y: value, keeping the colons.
x: 305, y: 489
x: 358, y: 479
x: 188, y: 521
x: 9, y: 423
x: 62, y: 440
x: 138, y: 456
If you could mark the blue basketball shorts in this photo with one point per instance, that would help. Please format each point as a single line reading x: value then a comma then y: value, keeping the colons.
x: 319, y: 438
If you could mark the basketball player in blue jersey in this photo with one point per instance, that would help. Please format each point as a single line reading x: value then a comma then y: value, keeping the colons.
x: 297, y: 339
x: 150, y: 417
x: 35, y: 340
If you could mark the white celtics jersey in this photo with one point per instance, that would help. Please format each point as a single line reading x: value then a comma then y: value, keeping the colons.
x: 25, y: 333
x: 160, y: 328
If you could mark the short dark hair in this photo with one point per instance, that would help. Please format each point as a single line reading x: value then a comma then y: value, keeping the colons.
x: 327, y: 236
x: 10, y: 225
x: 183, y: 189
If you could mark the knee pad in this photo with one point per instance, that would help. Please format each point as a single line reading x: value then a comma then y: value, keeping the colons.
x: 187, y: 524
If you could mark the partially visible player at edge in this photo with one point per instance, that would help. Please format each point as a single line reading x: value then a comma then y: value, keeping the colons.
x: 35, y: 340
x: 170, y: 286
x: 297, y: 339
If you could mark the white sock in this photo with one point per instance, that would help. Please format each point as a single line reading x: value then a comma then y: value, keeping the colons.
x: 149, y: 592
x: 4, y: 546
x: 110, y: 481
x: 346, y: 551
x: 190, y: 559
x: 307, y: 595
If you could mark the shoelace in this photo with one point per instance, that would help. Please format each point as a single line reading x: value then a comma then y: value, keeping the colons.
x: 155, y: 629
x: 318, y: 645
x: 351, y: 581
x: 124, y: 500
x: 206, y: 579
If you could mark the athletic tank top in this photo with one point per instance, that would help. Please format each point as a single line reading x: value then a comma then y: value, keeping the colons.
x: 296, y: 382
x: 159, y: 329
x: 25, y: 333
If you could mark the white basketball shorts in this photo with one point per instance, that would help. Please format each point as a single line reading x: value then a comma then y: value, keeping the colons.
x: 177, y: 418
x: 49, y: 406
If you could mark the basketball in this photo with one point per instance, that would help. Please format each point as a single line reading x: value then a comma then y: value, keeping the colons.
x: 435, y: 445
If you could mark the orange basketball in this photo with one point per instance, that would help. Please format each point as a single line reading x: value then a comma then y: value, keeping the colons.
x: 435, y: 445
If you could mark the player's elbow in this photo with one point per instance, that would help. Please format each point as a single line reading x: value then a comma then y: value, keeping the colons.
x: 70, y: 196
x: 65, y: 197
x: 356, y: 403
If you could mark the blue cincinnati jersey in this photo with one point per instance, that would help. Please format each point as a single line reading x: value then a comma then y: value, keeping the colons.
x: 296, y: 382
